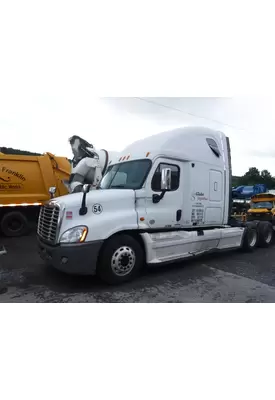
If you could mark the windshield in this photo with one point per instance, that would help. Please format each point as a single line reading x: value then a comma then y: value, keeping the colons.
x: 262, y: 204
x: 127, y: 175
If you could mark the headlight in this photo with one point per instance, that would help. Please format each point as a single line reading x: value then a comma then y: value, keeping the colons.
x: 74, y: 235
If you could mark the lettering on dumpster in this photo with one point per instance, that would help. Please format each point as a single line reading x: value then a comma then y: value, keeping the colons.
x: 8, y: 171
x: 7, y: 176
x: 10, y: 186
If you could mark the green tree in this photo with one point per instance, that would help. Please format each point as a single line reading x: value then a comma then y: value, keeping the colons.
x: 268, y: 179
x: 254, y: 176
x: 251, y: 177
x: 236, y: 181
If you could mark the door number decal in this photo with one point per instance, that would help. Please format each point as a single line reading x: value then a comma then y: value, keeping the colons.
x: 97, y: 209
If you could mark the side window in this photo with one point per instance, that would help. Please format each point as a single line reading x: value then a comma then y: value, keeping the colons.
x: 175, y: 179
x: 213, y: 146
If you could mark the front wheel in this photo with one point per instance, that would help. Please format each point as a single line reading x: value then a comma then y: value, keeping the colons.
x: 121, y: 259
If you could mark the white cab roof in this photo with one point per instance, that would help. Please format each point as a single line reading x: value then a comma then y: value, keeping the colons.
x: 187, y: 143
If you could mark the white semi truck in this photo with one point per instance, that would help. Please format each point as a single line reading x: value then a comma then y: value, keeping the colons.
x: 166, y: 198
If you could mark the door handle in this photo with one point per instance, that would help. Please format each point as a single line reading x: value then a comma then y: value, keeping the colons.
x: 178, y: 215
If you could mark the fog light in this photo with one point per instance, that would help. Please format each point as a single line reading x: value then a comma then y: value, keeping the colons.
x: 64, y: 260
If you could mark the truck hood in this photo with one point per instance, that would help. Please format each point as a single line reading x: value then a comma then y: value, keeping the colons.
x: 100, y: 196
x: 106, y: 210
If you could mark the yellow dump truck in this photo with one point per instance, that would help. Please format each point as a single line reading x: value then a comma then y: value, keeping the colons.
x: 24, y: 187
x: 262, y: 208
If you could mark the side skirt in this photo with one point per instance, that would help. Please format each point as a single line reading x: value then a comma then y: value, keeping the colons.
x: 163, y: 247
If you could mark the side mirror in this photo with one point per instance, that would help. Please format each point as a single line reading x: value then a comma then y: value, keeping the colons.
x: 86, y: 188
x: 52, y: 191
x: 166, y: 175
x: 165, y: 185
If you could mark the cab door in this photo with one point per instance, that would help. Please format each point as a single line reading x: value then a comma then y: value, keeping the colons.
x: 167, y: 213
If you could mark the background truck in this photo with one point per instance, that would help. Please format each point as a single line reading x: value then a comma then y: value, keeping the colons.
x: 241, y: 196
x: 262, y: 208
x: 24, y: 187
x: 166, y: 198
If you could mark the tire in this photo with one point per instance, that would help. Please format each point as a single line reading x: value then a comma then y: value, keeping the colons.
x: 14, y: 224
x: 265, y: 234
x: 121, y: 260
x: 250, y: 239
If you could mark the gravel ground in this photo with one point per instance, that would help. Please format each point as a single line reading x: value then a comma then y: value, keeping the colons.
x: 227, y: 277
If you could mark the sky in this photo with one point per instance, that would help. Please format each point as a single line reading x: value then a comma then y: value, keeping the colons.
x: 45, y: 122
x: 49, y: 69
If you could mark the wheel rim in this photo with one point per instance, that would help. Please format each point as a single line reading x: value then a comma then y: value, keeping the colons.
x: 123, y: 261
x: 252, y: 236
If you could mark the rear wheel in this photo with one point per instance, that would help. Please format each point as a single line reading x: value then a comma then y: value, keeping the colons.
x: 121, y: 259
x: 14, y: 224
x: 265, y: 234
x: 250, y: 239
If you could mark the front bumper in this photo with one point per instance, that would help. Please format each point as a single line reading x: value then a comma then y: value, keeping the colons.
x: 75, y: 259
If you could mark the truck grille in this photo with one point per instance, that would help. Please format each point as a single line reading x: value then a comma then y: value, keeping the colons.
x: 48, y: 222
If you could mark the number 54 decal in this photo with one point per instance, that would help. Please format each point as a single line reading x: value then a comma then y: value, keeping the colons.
x: 97, y: 208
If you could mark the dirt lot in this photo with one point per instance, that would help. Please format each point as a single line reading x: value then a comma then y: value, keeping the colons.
x: 227, y: 277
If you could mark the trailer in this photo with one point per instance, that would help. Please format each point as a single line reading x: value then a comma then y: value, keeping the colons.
x: 167, y: 198
x: 246, y: 192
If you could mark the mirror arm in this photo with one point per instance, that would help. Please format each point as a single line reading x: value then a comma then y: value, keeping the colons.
x: 158, y: 197
x: 83, y: 209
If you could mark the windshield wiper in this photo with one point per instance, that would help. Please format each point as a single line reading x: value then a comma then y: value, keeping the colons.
x: 117, y: 187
